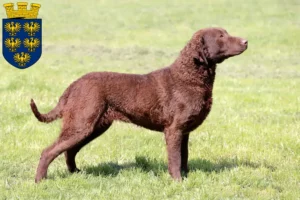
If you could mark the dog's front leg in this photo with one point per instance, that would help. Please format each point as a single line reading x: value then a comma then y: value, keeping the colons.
x: 185, y: 153
x: 174, y: 140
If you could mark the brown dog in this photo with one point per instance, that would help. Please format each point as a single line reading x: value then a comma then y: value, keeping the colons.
x: 174, y: 100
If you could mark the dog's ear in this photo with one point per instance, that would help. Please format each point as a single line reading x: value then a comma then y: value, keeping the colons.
x: 202, y: 55
x: 198, y: 54
x: 201, y: 50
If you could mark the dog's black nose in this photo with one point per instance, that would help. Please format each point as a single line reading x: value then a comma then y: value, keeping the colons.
x: 245, y: 42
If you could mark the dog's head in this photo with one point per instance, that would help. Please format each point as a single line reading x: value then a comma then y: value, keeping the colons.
x: 214, y: 45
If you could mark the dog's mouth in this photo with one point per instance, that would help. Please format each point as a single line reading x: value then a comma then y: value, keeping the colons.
x: 236, y: 52
x: 221, y: 58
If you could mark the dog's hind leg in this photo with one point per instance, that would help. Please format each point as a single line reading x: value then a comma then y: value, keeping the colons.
x: 61, y: 145
x: 78, y: 124
x: 70, y: 154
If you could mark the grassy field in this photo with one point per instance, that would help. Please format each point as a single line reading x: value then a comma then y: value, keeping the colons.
x: 249, y: 146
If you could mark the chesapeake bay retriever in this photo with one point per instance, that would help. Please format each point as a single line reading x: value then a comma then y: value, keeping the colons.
x: 174, y: 100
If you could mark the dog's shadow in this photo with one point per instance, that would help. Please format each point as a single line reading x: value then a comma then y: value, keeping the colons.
x: 157, y: 167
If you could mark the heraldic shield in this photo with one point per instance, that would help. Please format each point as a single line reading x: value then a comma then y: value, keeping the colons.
x: 22, y: 37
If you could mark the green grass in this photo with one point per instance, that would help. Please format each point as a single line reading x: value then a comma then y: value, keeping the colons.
x: 249, y: 146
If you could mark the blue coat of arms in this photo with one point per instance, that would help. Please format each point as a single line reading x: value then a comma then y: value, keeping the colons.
x: 22, y: 35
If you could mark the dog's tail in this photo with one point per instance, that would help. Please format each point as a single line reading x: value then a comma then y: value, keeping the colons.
x: 50, y: 116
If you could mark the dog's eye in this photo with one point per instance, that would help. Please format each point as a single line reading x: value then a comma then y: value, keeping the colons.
x: 221, y: 35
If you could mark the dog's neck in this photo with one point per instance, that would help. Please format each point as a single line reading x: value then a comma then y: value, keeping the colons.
x: 191, y: 71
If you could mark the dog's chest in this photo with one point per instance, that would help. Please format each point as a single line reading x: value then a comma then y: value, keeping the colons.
x: 200, y: 112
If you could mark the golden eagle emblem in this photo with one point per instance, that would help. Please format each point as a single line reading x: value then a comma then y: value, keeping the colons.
x: 12, y: 44
x: 22, y: 34
x: 12, y: 28
x: 31, y: 28
x: 22, y: 58
x: 31, y: 44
